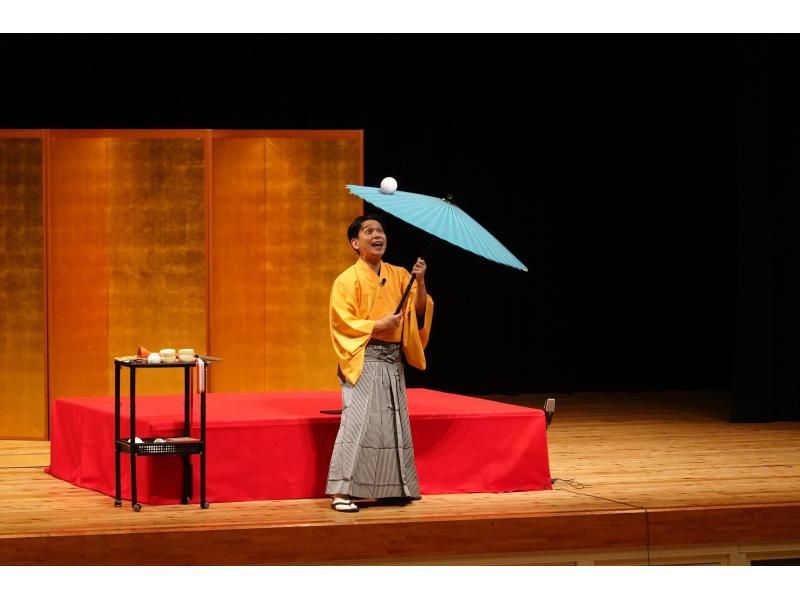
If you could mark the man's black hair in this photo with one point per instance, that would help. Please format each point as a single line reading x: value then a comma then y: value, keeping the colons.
x: 352, y: 230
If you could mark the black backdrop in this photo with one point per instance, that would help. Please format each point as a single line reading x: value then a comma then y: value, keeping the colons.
x: 625, y: 171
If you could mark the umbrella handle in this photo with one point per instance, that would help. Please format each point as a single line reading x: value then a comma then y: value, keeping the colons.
x: 405, y: 294
x: 414, y: 277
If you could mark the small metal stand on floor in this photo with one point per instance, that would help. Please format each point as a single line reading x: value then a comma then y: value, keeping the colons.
x: 185, y: 446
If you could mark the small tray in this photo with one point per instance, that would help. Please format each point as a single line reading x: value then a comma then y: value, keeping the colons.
x: 141, y: 362
x: 148, y: 447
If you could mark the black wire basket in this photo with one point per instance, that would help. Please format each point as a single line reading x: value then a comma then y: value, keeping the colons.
x: 148, y: 446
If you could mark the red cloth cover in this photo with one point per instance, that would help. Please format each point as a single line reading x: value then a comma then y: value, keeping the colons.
x: 277, y: 445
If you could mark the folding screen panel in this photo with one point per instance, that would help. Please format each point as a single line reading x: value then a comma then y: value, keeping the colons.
x: 22, y: 316
x: 238, y: 258
x: 156, y: 250
x: 80, y: 361
x: 127, y: 257
x: 279, y: 218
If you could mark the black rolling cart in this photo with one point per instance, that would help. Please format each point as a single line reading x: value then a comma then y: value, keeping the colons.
x: 185, y: 447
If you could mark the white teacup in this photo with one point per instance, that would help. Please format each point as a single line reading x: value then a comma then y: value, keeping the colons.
x: 186, y: 355
x: 167, y: 355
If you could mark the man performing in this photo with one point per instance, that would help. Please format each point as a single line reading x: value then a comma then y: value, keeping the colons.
x: 374, y: 456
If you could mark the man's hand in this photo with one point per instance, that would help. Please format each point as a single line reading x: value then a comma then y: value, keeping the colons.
x: 389, y: 322
x: 422, y: 294
x: 419, y: 269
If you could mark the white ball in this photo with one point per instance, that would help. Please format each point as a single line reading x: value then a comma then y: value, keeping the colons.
x: 388, y: 185
x: 154, y: 358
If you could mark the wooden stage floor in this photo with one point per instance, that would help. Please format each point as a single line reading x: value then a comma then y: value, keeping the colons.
x: 656, y: 478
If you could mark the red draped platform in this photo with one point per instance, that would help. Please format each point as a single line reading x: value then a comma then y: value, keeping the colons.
x: 263, y: 446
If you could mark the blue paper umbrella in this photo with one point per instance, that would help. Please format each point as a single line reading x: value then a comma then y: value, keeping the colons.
x: 442, y: 219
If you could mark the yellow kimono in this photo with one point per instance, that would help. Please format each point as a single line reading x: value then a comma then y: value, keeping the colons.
x: 358, y: 298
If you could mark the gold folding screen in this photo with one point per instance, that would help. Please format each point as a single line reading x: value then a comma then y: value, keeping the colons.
x: 22, y: 325
x: 222, y: 241
x: 278, y: 240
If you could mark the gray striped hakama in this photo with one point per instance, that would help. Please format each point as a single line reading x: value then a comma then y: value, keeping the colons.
x: 373, y: 456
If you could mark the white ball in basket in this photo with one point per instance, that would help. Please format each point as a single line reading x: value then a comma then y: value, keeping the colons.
x: 154, y: 358
x: 388, y: 185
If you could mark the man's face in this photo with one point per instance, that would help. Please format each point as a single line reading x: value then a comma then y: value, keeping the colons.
x: 371, y: 241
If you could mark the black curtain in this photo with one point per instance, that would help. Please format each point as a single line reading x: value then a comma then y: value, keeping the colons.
x: 765, y: 385
x: 644, y: 180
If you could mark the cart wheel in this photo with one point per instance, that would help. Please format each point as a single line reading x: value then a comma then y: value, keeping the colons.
x: 205, y: 505
x: 137, y: 507
x: 117, y: 503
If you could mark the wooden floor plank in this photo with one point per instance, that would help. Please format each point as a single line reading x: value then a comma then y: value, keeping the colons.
x: 24, y: 453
